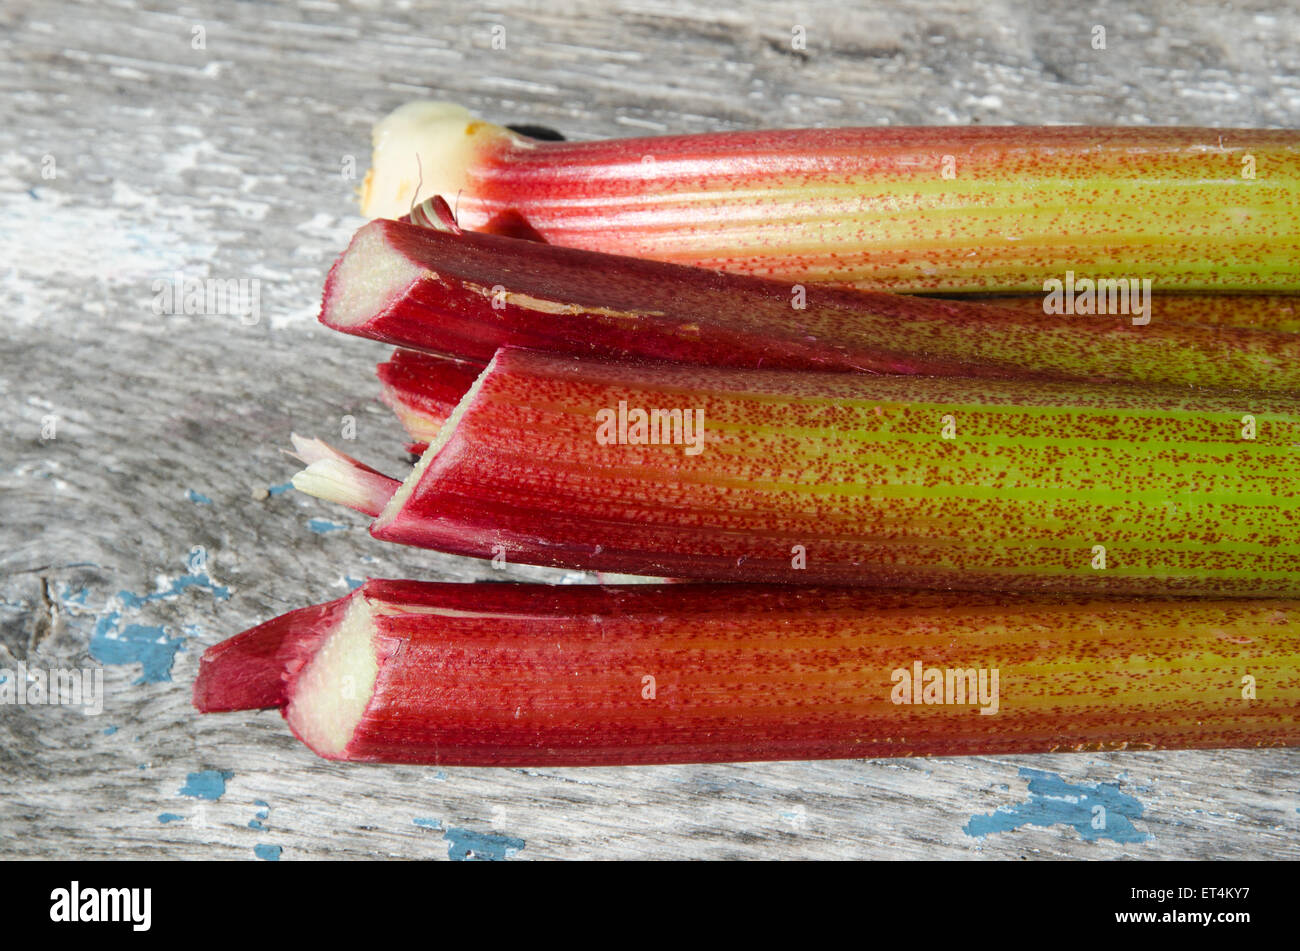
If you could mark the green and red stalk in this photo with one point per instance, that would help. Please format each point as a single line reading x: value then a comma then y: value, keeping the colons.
x: 851, y: 479
x: 908, y: 209
x: 1278, y: 313
x: 583, y: 675
x: 466, y: 294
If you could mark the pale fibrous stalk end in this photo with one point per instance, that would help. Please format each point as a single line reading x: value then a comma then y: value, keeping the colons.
x: 331, y: 694
x: 422, y: 150
x: 335, y: 477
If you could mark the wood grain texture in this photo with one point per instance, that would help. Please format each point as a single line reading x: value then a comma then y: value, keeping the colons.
x: 129, y: 155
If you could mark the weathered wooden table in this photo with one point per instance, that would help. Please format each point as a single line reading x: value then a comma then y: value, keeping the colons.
x: 144, y: 509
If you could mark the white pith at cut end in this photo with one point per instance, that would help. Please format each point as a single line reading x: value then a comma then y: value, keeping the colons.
x: 367, y: 279
x: 331, y: 694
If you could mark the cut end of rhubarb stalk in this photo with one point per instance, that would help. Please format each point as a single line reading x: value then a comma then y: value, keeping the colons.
x: 423, y: 149
x: 397, y: 499
x: 366, y: 281
x: 335, y: 477
x: 250, y: 671
x: 332, y: 692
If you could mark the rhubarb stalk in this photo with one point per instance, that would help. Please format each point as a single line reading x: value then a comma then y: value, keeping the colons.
x: 749, y: 475
x: 912, y: 209
x: 466, y: 294
x: 573, y: 675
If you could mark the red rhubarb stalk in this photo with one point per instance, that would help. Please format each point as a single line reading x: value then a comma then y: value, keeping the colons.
x: 466, y: 294
x: 891, y: 481
x: 920, y: 209
x: 535, y: 675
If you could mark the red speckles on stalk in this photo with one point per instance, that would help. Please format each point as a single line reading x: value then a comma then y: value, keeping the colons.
x: 530, y: 675
x: 936, y: 209
x: 467, y: 294
x: 856, y: 469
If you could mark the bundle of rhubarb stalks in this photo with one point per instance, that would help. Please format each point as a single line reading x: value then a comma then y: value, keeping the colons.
x: 951, y: 440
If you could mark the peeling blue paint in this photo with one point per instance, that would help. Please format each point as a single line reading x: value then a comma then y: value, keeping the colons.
x: 466, y: 845
x: 206, y: 784
x: 146, y: 645
x: 1097, y: 811
x: 280, y: 489
x: 323, y: 526
x: 104, y: 625
x: 268, y: 853
x: 195, y: 579
x: 69, y: 598
x: 167, y: 817
x: 143, y: 644
x: 198, y: 498
x: 254, y: 824
x: 109, y: 730
x: 353, y: 583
